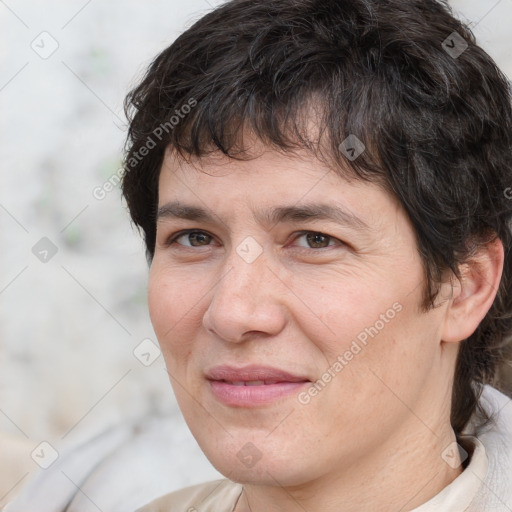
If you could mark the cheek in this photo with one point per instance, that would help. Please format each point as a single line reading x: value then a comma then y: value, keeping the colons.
x: 371, y: 326
x: 161, y: 303
x: 335, y: 308
x: 171, y: 302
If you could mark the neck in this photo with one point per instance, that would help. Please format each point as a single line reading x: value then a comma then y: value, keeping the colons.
x: 405, y: 473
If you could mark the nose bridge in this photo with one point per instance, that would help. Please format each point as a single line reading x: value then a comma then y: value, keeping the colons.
x: 243, y: 279
x: 245, y: 268
x: 242, y: 299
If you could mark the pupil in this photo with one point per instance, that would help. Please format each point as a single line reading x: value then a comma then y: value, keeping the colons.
x: 199, y: 237
x: 316, y: 238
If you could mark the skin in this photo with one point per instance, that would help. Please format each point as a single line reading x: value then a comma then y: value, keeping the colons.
x: 372, y: 439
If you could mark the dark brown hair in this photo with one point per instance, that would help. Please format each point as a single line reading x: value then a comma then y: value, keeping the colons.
x: 404, y: 76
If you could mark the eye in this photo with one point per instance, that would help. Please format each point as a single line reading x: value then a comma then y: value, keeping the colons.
x: 317, y: 240
x: 195, y: 238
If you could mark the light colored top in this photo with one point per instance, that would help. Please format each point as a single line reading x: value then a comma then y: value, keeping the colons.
x: 219, y: 496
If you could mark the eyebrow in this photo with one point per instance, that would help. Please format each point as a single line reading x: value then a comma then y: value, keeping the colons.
x: 280, y: 214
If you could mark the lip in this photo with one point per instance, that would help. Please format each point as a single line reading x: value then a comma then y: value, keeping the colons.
x: 267, y: 384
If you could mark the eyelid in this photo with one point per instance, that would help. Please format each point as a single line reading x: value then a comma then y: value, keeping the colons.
x: 171, y: 239
x: 298, y: 234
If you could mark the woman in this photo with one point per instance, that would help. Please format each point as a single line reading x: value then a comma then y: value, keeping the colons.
x: 325, y: 194
x: 321, y: 186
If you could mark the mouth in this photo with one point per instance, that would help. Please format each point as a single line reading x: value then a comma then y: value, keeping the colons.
x: 252, y: 382
x: 252, y: 386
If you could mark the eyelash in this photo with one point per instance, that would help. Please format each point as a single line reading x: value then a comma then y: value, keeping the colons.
x: 173, y: 238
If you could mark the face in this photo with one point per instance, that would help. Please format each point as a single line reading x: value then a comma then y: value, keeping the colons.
x: 294, y: 342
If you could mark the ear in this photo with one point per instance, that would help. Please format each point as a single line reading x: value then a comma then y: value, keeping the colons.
x: 474, y: 293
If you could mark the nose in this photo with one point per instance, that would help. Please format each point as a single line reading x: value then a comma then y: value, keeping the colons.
x: 246, y: 302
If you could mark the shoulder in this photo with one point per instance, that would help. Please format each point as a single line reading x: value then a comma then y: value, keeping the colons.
x: 216, y: 496
x: 496, y: 438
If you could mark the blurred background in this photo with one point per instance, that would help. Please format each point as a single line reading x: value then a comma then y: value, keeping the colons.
x: 77, y: 351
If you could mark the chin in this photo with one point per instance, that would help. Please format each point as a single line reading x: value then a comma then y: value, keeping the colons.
x: 249, y: 465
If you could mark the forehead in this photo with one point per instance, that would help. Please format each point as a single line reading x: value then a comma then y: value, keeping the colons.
x: 269, y: 177
x: 275, y: 188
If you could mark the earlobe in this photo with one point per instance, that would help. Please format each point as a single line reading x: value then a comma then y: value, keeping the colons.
x: 474, y: 292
